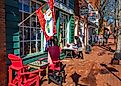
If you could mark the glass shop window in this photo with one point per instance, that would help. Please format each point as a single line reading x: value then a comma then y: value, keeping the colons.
x: 30, y: 30
x: 64, y: 2
x: 63, y: 28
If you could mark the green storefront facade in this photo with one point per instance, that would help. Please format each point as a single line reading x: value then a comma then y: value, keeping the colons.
x: 28, y: 40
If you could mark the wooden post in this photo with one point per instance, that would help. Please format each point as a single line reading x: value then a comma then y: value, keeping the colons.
x: 26, y: 18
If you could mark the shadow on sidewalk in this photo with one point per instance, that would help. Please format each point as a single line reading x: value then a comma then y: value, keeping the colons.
x: 107, y: 48
x: 75, y: 77
x: 111, y: 70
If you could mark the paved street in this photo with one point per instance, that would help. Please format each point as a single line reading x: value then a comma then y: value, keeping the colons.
x: 93, y: 70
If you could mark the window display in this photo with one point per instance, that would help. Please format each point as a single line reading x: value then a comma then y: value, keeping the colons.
x: 30, y: 31
x: 63, y: 28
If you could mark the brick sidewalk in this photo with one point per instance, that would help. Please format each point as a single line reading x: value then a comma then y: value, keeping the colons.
x: 90, y: 72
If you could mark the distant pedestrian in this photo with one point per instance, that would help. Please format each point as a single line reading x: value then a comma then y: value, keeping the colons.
x: 79, y: 45
x: 106, y: 35
x: 100, y: 39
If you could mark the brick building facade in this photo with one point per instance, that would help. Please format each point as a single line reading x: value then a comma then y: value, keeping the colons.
x: 2, y: 44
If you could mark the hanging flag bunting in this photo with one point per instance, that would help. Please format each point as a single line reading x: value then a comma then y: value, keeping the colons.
x: 46, y: 18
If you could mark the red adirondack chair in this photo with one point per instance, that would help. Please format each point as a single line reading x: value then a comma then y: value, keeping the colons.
x: 23, y: 77
x: 56, y: 70
x: 54, y: 52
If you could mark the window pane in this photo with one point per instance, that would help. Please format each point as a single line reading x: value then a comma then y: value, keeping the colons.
x: 33, y: 21
x: 26, y: 33
x: 26, y: 48
x: 63, y: 28
x: 38, y: 25
x: 39, y: 34
x: 33, y: 46
x: 27, y: 22
x: 33, y: 34
x: 21, y: 33
x: 30, y: 32
x: 26, y: 2
x: 20, y: 14
x: 21, y: 49
x: 37, y: 6
x: 26, y: 8
x: 33, y: 7
x: 38, y: 46
x: 20, y: 6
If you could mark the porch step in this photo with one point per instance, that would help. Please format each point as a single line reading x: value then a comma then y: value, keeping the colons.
x: 34, y: 57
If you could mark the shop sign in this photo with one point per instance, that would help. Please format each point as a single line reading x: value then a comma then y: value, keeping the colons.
x: 92, y: 16
x: 62, y: 7
x: 84, y: 11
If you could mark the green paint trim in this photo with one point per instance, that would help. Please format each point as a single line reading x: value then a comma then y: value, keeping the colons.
x: 42, y: 42
x: 12, y: 29
x: 71, y: 30
x: 33, y: 57
x: 16, y: 38
x: 17, y: 51
x: 13, y: 3
x: 58, y: 27
x: 16, y: 45
x: 62, y: 56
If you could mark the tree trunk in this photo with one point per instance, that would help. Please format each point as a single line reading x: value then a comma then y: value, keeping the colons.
x: 117, y: 54
x: 118, y: 46
x: 100, y: 24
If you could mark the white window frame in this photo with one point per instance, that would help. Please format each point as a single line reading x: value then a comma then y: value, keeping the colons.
x: 30, y: 34
x: 65, y: 28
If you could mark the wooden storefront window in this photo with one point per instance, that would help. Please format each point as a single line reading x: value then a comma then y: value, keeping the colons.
x: 30, y: 31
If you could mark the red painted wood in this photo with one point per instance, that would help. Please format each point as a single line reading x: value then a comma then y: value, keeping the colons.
x: 23, y: 77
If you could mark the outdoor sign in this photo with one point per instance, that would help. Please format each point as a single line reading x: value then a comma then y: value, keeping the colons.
x: 64, y: 8
x: 92, y: 16
x: 84, y: 11
x: 47, y: 20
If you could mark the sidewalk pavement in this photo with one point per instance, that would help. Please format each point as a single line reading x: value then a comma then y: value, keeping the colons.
x: 93, y: 70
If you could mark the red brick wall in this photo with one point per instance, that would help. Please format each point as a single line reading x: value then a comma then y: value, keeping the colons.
x: 3, y: 74
x: 76, y: 7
